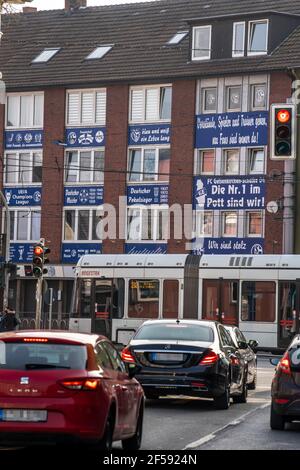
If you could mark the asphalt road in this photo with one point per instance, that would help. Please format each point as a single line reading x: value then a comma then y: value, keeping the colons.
x: 174, y: 423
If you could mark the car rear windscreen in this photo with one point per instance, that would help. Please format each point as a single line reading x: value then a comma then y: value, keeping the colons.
x: 174, y: 331
x: 30, y: 356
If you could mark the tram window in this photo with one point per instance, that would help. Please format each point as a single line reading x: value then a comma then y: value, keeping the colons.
x: 118, y: 298
x: 220, y: 297
x: 258, y: 301
x: 85, y: 298
x: 287, y: 304
x: 170, y: 301
x: 143, y: 299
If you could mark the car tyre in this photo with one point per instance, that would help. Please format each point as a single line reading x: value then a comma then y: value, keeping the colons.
x: 277, y: 421
x: 242, y: 398
x: 105, y: 444
x: 222, y: 402
x: 252, y: 385
x: 134, y: 443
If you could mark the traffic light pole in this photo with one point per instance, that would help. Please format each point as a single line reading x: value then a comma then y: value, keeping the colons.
x: 38, y: 308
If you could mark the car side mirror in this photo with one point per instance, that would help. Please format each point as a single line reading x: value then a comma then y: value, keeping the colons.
x: 253, y: 344
x: 275, y: 361
x: 242, y: 345
x: 132, y: 369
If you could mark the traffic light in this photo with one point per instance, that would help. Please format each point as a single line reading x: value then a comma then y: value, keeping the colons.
x: 40, y: 258
x: 283, y: 132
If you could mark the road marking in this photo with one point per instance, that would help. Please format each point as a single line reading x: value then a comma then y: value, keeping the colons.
x: 236, y: 422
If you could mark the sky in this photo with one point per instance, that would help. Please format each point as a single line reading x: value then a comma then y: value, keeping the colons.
x: 55, y: 4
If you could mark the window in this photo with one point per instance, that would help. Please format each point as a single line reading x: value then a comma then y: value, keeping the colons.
x: 201, y: 43
x: 45, y: 56
x: 149, y: 164
x: 234, y: 98
x: 150, y: 104
x: 143, y: 299
x: 25, y: 111
x: 238, y: 43
x: 256, y: 161
x: 254, y: 224
x: 147, y: 223
x: 258, y: 37
x: 86, y: 108
x: 114, y: 357
x: 231, y: 162
x: 209, y: 100
x: 85, y: 166
x: 25, y: 225
x: 177, y: 38
x: 258, y: 301
x: 258, y: 97
x: 99, y: 52
x: 220, y: 297
x: 23, y: 167
x: 102, y: 357
x: 229, y: 224
x: 83, y: 224
x: 205, y: 164
x: 170, y: 299
x: 173, y: 332
x: 204, y: 224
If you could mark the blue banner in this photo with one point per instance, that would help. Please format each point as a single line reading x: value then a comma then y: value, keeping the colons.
x: 147, y: 194
x: 149, y: 134
x: 27, y: 139
x: 21, y: 252
x: 233, y: 193
x: 232, y: 130
x: 83, y: 195
x: 229, y: 246
x: 23, y: 197
x: 146, y: 249
x: 86, y: 137
x: 71, y: 252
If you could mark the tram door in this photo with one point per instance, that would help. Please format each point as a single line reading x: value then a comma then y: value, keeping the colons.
x: 220, y: 301
x: 289, y: 310
x: 103, y: 294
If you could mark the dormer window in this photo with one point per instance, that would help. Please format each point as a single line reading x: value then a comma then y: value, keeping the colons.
x: 258, y: 37
x: 201, y: 43
x: 238, y: 44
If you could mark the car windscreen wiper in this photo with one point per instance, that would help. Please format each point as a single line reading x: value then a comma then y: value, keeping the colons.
x: 44, y: 366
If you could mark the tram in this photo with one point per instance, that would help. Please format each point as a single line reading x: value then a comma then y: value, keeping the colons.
x: 114, y: 294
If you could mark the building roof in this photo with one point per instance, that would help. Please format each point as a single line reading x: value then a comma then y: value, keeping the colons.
x: 139, y: 33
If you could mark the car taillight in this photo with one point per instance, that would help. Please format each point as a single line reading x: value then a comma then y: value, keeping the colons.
x: 81, y: 384
x: 210, y: 358
x: 284, y: 364
x: 127, y: 356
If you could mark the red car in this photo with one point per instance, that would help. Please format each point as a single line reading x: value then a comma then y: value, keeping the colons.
x: 58, y: 386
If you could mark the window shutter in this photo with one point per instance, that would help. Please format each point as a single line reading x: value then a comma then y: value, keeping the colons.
x: 73, y: 109
x: 101, y: 107
x: 87, y: 108
x: 152, y: 100
x: 137, y: 105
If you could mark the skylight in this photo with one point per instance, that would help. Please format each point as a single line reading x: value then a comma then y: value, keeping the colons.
x: 99, y: 52
x: 177, y: 38
x: 45, y: 56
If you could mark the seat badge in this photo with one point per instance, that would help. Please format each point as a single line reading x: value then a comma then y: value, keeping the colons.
x: 24, y: 380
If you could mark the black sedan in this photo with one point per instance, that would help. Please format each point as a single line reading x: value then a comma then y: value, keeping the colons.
x: 247, y: 354
x: 285, y: 405
x: 188, y: 357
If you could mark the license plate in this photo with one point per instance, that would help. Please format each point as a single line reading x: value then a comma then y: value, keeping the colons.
x: 167, y: 357
x: 29, y: 416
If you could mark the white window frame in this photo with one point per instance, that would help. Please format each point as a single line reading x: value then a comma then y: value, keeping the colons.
x: 227, y: 97
x: 199, y: 160
x: 252, y: 87
x: 250, y: 151
x: 91, y: 209
x: 223, y: 218
x: 140, y: 208
x: 202, y: 94
x: 225, y: 153
x: 141, y: 174
x: 239, y: 53
x: 17, y: 182
x: 254, y: 235
x: 30, y: 211
x: 144, y: 89
x: 249, y: 52
x: 32, y: 125
x: 92, y: 171
x: 198, y: 214
x: 81, y: 92
x: 208, y: 56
